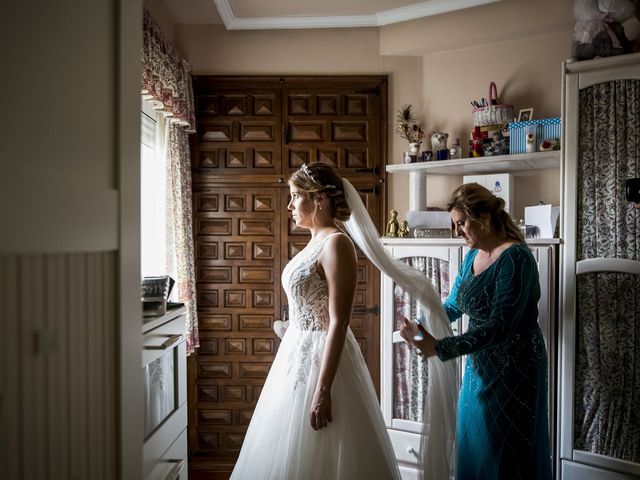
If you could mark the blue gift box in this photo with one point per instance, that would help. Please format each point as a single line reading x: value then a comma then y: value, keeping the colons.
x: 546, y: 128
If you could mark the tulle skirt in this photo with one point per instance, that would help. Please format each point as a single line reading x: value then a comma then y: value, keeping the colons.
x: 280, y: 443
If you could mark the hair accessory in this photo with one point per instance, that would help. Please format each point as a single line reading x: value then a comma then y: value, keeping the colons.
x: 307, y: 171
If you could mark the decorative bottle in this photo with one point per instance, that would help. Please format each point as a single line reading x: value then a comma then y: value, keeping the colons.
x: 456, y: 150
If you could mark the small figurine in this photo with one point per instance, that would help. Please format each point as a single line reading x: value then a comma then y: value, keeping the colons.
x: 392, y: 225
x: 403, y: 232
x: 438, y: 141
x: 493, y: 148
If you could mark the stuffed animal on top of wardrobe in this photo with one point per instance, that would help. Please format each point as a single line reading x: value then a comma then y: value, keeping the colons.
x: 636, y: 42
x: 598, y: 30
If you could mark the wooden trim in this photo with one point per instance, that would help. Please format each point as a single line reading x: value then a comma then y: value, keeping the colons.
x: 127, y: 30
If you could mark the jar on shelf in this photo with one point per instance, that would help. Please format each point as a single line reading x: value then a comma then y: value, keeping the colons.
x: 456, y: 150
x: 414, y: 148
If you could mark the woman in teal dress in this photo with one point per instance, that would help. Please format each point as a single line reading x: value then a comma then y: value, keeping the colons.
x: 502, y: 425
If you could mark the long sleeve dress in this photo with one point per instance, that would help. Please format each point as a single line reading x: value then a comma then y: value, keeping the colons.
x: 502, y: 427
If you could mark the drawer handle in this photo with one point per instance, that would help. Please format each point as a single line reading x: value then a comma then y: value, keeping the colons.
x: 170, y: 342
x: 175, y: 471
x: 412, y: 451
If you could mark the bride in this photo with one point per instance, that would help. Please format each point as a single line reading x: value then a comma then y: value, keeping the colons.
x: 318, y: 416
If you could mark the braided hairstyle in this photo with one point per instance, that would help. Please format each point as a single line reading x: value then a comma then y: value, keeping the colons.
x: 474, y: 200
x: 320, y: 177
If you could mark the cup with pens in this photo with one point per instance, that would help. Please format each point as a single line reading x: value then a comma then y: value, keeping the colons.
x: 491, y: 111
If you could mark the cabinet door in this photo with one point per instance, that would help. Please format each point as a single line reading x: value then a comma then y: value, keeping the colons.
x: 597, y: 352
x: 404, y: 373
x: 545, y: 256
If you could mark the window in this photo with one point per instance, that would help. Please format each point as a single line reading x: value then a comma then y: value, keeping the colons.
x: 153, y: 194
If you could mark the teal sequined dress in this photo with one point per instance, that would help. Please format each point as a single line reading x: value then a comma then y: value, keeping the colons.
x: 502, y: 430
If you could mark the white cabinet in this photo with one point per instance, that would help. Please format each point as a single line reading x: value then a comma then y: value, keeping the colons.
x: 404, y: 381
x: 164, y: 363
x: 402, y: 403
x: 590, y: 442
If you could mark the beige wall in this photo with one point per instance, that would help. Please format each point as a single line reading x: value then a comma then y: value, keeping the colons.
x: 527, y: 73
x: 438, y: 64
x: 162, y: 17
x: 71, y: 349
x: 462, y: 52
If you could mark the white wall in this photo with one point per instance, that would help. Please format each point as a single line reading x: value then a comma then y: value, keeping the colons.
x: 70, y: 371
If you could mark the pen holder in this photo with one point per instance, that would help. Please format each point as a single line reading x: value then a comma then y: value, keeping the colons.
x: 492, y: 114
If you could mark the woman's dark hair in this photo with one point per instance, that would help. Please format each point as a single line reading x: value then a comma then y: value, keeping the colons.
x: 474, y: 201
x: 320, y: 177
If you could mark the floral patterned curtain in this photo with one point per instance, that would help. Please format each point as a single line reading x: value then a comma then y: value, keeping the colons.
x: 607, y: 391
x: 166, y: 76
x: 410, y: 372
x: 166, y: 82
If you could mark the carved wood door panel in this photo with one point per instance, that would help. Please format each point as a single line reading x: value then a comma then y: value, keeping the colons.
x: 238, y: 264
x: 252, y: 132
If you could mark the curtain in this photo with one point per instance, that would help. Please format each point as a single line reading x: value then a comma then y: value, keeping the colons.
x: 607, y: 396
x: 410, y: 371
x: 166, y: 76
x: 166, y: 83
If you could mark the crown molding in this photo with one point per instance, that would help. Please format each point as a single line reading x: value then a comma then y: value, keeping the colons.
x: 386, y: 17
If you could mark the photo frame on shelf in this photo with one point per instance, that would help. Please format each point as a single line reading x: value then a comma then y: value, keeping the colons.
x: 525, y: 114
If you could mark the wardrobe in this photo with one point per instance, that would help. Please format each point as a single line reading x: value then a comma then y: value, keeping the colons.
x: 599, y: 338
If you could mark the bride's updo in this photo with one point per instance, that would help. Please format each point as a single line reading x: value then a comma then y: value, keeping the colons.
x: 320, y: 177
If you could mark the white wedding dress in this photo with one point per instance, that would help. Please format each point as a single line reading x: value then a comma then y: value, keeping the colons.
x: 280, y: 443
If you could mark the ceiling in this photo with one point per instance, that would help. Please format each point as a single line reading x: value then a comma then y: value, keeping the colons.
x: 293, y: 14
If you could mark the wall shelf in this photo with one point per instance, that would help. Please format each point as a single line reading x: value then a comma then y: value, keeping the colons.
x: 413, y: 242
x: 473, y: 166
x: 466, y: 166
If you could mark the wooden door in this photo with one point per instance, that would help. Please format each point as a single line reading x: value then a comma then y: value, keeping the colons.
x: 252, y: 133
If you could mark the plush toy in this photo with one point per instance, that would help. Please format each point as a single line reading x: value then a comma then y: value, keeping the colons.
x: 438, y: 142
x: 636, y: 42
x: 598, y: 30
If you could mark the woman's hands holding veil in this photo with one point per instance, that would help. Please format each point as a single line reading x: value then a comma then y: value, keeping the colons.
x: 415, y: 334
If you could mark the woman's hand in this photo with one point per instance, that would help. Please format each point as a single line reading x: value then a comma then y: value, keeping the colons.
x: 426, y: 344
x: 320, y: 413
x: 280, y: 327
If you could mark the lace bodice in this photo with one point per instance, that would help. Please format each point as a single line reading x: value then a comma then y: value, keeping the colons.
x: 306, y: 290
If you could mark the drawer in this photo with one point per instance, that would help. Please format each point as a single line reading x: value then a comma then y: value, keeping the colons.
x: 173, y: 464
x: 408, y: 473
x: 157, y: 445
x: 406, y: 445
x: 579, y: 471
x: 161, y: 339
x: 174, y: 326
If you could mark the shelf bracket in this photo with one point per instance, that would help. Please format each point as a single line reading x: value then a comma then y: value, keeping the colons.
x: 417, y: 190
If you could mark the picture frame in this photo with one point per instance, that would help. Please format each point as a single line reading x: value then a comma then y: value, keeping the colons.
x: 525, y: 114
